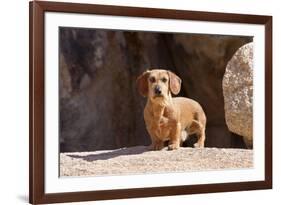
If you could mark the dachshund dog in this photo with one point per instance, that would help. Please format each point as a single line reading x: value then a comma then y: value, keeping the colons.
x: 169, y: 118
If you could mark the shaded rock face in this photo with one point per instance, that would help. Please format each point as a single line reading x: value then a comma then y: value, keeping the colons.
x: 238, y: 93
x: 100, y: 107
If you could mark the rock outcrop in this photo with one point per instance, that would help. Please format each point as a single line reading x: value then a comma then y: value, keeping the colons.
x: 137, y: 160
x: 238, y: 93
x: 100, y: 107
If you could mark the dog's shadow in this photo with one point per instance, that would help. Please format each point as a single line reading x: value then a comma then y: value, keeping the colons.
x: 105, y: 155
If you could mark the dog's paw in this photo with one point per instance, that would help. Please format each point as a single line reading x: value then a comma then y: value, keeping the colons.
x: 155, y: 146
x: 158, y: 146
x: 173, y: 147
x: 198, y: 145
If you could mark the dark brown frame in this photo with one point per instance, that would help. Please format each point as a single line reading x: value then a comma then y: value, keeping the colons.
x: 37, y: 95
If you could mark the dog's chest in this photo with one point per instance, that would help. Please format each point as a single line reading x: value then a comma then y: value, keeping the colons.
x: 160, y: 129
x: 159, y: 124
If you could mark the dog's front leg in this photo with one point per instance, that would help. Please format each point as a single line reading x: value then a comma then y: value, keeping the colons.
x: 156, y: 143
x: 175, y: 136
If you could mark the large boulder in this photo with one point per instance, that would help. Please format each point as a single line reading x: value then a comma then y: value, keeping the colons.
x: 100, y: 107
x: 238, y: 93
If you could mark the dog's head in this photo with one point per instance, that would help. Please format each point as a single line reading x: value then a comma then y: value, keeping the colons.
x: 158, y: 84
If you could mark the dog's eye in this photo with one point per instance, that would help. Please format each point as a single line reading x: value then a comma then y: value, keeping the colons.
x: 164, y: 80
x: 152, y: 80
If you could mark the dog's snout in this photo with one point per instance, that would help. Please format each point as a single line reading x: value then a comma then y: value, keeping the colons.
x: 157, y: 90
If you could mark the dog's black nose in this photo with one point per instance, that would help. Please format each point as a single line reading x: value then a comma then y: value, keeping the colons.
x: 157, y: 90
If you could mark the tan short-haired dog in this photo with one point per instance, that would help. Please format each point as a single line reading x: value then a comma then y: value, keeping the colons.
x: 166, y: 118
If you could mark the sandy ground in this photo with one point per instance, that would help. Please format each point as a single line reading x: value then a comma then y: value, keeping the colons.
x: 138, y: 160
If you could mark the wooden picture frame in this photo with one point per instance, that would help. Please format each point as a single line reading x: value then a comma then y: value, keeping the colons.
x: 37, y: 11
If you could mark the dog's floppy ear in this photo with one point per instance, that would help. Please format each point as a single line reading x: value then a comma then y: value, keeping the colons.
x: 175, y: 83
x: 142, y: 83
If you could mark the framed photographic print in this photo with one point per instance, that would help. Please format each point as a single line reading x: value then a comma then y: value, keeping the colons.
x: 138, y: 102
